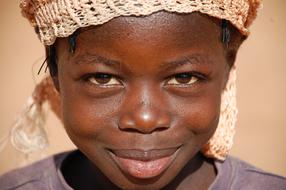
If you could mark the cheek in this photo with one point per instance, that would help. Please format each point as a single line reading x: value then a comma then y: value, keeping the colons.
x: 197, y: 121
x: 199, y: 114
x: 85, y: 117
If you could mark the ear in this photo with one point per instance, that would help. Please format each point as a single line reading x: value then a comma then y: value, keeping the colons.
x: 52, y: 96
x: 56, y: 82
x: 52, y: 65
x: 236, y: 39
x: 230, y: 59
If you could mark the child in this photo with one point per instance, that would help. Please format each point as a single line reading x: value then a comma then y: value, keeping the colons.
x: 146, y: 92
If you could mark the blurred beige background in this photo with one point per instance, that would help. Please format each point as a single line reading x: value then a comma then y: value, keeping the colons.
x: 261, y: 128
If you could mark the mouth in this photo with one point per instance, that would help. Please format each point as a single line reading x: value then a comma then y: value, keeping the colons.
x: 144, y: 164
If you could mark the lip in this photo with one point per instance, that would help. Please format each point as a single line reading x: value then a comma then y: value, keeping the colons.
x: 144, y: 164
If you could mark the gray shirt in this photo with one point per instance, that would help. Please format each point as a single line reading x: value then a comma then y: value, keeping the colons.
x: 232, y: 174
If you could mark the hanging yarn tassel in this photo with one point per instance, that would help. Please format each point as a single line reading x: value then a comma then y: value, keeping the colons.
x: 28, y: 134
x: 3, y: 142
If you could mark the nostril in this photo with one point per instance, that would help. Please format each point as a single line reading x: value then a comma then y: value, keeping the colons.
x: 130, y: 124
x: 126, y: 123
x: 130, y: 130
x: 144, y: 120
x: 142, y: 130
x: 161, y: 129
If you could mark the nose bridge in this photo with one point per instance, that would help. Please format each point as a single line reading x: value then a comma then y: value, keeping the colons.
x: 145, y: 111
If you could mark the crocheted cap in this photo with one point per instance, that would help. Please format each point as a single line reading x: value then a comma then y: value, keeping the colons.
x: 60, y: 18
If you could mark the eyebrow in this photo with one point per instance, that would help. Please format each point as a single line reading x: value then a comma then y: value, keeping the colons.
x: 96, y: 59
x: 195, y: 59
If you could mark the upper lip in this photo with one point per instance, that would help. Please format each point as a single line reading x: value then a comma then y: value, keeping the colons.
x: 144, y: 155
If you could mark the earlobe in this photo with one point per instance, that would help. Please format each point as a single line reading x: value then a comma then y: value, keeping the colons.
x: 231, y: 57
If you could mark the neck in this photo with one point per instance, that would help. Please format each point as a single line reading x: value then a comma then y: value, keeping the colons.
x: 80, y: 173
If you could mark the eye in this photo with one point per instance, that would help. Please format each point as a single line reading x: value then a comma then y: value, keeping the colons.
x: 183, y: 79
x: 103, y: 79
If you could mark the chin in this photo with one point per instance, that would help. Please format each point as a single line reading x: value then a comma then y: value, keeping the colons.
x: 148, y: 174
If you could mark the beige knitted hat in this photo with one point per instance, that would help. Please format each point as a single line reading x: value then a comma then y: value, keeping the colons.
x: 60, y: 18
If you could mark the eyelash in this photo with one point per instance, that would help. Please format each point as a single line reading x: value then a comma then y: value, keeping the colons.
x: 101, y: 76
x: 199, y: 77
x: 98, y: 76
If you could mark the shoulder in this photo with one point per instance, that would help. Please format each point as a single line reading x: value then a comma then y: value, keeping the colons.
x: 245, y: 176
x: 35, y: 176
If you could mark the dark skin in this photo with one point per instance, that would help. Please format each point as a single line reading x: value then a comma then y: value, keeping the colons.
x: 143, y: 83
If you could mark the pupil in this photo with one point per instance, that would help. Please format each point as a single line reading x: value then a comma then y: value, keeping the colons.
x: 102, y: 78
x: 183, y: 78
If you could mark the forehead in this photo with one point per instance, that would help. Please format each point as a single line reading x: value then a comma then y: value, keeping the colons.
x: 160, y: 37
x: 158, y: 27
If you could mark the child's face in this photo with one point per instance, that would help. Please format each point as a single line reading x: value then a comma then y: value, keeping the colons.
x: 144, y: 89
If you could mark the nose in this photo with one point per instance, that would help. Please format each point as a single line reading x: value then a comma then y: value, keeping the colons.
x: 145, y: 112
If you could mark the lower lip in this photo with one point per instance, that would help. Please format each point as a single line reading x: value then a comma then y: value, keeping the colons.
x: 144, y: 169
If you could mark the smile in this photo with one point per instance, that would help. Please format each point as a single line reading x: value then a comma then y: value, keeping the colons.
x: 144, y: 164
